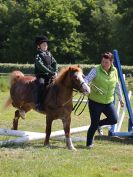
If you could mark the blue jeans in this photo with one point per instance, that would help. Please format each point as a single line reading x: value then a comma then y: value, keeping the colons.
x: 96, y: 109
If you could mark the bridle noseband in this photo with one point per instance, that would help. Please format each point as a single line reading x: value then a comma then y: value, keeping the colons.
x: 76, y: 85
x: 81, y: 85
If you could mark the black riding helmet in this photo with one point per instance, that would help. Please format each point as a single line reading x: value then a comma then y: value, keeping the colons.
x: 40, y: 39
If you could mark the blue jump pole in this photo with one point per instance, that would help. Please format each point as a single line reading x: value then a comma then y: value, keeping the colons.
x: 120, y: 74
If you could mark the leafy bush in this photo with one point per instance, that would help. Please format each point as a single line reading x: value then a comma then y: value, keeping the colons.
x: 29, y: 68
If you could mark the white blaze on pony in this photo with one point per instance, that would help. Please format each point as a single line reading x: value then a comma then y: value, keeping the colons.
x: 57, y: 101
x: 84, y: 85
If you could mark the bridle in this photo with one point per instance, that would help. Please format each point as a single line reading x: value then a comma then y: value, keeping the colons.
x: 76, y: 90
x: 83, y: 82
x: 77, y: 86
x: 81, y: 98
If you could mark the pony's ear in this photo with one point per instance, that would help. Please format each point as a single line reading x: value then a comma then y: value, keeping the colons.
x: 70, y: 68
x: 78, y: 66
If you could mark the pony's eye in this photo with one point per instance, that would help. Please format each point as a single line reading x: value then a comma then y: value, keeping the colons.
x: 75, y: 76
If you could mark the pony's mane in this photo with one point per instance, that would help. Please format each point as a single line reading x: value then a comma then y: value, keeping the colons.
x: 63, y: 72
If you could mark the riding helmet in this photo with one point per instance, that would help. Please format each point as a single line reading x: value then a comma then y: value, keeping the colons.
x: 40, y: 39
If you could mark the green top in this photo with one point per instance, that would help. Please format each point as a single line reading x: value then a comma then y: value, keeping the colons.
x: 106, y: 82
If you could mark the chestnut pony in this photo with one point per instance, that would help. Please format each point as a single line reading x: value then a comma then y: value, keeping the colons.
x: 57, y: 98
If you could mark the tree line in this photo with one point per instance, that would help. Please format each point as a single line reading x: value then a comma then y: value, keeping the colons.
x: 78, y: 30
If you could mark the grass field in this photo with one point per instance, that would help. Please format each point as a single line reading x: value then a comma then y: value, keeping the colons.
x: 110, y: 157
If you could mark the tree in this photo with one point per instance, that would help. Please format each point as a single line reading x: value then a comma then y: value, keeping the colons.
x: 48, y: 17
x: 79, y: 31
x: 123, y: 34
x: 97, y: 25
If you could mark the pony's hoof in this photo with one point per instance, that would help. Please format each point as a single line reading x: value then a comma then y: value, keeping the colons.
x: 72, y: 148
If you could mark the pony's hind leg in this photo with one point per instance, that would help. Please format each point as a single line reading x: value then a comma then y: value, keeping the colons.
x: 66, y: 125
x: 48, y: 130
x: 15, y: 120
x: 22, y: 114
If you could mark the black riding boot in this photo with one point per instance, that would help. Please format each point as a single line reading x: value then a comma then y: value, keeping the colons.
x: 40, y: 96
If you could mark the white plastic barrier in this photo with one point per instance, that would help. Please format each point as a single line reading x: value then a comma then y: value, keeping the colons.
x: 25, y: 136
x: 123, y: 114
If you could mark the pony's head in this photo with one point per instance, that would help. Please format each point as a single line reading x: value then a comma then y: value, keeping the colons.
x: 72, y: 77
x: 78, y: 82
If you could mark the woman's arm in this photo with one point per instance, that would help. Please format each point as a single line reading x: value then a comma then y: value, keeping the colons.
x: 119, y: 92
x: 90, y: 76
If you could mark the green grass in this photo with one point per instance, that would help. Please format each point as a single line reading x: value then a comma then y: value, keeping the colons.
x: 4, y: 83
x: 110, y: 157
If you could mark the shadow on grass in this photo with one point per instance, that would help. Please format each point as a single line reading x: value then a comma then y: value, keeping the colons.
x: 55, y: 144
x: 122, y: 140
x: 116, y: 139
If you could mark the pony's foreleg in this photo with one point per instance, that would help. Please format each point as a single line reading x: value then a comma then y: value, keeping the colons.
x: 15, y: 120
x: 48, y: 131
x: 66, y: 125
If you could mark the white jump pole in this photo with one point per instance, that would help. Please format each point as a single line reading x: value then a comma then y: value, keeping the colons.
x: 118, y: 113
x: 118, y: 110
x: 25, y: 136
x: 123, y: 114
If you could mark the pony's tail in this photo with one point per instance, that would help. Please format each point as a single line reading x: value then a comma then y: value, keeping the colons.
x: 14, y: 76
x: 7, y: 103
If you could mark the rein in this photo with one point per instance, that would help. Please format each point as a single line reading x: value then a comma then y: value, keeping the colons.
x: 76, y: 106
x: 80, y: 100
x: 70, y: 98
x: 73, y: 95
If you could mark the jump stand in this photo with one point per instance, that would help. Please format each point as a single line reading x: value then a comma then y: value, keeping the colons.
x: 115, y: 131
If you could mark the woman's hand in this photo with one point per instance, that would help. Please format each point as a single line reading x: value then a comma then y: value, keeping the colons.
x: 121, y: 103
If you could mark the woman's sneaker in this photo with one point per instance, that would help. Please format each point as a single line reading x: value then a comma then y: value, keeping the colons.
x: 100, y: 131
x: 90, y: 146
